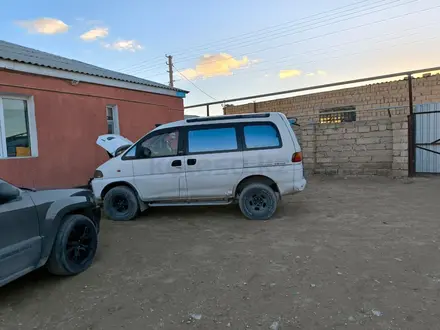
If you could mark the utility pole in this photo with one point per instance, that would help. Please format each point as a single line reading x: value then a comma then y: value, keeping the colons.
x: 170, y: 70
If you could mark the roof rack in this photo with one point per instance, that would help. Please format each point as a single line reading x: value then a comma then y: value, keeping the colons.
x: 228, y: 117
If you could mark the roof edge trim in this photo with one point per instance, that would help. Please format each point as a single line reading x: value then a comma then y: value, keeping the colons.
x: 81, y: 77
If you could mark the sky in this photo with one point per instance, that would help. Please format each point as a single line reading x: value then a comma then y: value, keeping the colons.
x: 228, y: 49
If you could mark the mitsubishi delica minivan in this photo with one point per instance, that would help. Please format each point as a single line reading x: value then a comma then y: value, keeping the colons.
x: 250, y: 159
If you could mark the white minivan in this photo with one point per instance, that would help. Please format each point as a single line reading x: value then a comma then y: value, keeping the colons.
x: 251, y: 159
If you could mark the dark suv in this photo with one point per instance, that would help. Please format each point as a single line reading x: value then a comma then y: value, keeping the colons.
x: 53, y: 228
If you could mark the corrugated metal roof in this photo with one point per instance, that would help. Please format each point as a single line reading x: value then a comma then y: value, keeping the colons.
x: 14, y: 52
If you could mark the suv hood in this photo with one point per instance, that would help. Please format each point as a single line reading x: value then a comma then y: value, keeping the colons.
x: 113, y: 143
x: 51, y: 195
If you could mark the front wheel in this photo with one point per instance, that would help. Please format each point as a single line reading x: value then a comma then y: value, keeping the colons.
x: 258, y: 201
x: 75, y: 246
x: 121, y: 204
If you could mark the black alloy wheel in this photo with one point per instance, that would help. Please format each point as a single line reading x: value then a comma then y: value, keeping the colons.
x: 80, y: 244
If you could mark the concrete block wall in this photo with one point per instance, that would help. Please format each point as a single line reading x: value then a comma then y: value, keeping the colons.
x: 374, y: 147
x: 367, y: 100
x: 375, y: 144
x: 400, y: 146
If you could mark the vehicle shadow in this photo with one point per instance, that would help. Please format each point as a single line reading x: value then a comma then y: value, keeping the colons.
x: 184, y: 213
x: 22, y: 287
x: 228, y: 213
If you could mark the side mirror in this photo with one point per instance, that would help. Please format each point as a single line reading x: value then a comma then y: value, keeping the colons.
x: 8, y: 192
x: 293, y: 121
x: 121, y: 149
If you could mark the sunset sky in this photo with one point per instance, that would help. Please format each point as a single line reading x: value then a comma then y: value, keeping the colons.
x: 233, y: 48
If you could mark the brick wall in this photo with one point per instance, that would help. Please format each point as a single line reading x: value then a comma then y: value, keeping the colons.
x: 374, y: 147
x: 375, y: 144
x: 399, y: 127
x: 367, y: 99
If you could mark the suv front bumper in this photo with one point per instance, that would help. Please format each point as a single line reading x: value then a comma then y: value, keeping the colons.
x: 96, y: 212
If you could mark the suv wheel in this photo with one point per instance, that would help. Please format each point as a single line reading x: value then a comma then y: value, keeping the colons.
x: 121, y: 204
x: 75, y: 246
x: 258, y: 201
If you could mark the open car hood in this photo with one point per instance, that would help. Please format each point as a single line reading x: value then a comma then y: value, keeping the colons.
x: 114, y: 144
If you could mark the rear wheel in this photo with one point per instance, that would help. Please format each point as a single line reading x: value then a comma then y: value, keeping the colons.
x: 121, y: 204
x: 75, y: 246
x: 258, y: 201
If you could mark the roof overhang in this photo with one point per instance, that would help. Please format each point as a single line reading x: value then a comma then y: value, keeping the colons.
x: 80, y: 77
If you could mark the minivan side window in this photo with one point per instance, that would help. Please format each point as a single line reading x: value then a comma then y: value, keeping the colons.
x: 161, y: 145
x: 261, y: 136
x: 212, y: 140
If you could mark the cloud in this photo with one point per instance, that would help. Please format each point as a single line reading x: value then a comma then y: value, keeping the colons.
x: 124, y: 45
x: 310, y: 74
x: 44, y: 26
x: 221, y: 64
x: 95, y: 34
x: 289, y: 73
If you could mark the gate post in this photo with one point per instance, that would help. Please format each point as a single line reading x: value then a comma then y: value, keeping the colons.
x: 411, y: 146
x: 411, y: 127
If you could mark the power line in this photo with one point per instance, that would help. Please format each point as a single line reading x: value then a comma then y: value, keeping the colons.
x: 218, y: 42
x: 155, y: 59
x: 260, y: 35
x: 326, y: 34
x: 313, y: 52
x: 331, y: 33
x: 350, y: 54
x: 311, y: 25
x: 319, y: 26
x: 336, y: 32
x: 327, y: 85
x: 194, y: 84
x: 355, y: 53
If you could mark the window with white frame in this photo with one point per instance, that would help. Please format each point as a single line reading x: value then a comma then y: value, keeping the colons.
x: 112, y: 119
x: 17, y: 127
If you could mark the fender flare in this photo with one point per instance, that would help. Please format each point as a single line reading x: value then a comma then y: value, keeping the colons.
x: 50, y: 225
x: 142, y: 205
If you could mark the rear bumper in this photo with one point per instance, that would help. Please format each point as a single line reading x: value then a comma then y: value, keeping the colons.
x: 299, y: 186
x: 290, y: 189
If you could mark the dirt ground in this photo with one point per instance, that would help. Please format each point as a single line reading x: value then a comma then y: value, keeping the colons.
x: 344, y: 254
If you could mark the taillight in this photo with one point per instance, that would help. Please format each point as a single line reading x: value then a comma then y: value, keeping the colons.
x: 297, y: 157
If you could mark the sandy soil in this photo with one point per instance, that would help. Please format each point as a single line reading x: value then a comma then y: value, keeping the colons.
x: 345, y: 254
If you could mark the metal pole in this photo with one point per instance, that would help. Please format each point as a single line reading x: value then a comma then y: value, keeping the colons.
x: 207, y: 110
x: 411, y: 130
x: 410, y: 93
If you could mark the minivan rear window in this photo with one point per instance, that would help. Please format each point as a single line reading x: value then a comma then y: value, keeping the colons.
x: 212, y: 140
x: 261, y: 136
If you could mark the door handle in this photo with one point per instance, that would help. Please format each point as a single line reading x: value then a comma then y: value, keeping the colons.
x: 191, y: 161
x: 176, y: 163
